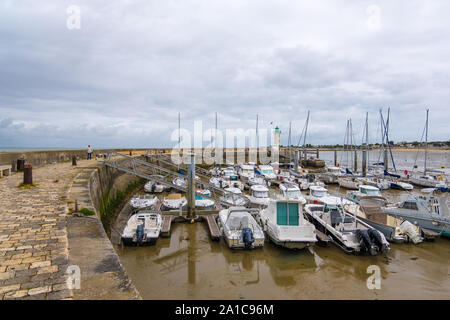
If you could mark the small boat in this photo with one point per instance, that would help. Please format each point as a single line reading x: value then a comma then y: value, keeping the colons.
x: 204, y: 192
x: 155, y: 187
x: 347, y: 231
x: 382, y: 184
x: 428, y: 180
x: 259, y: 196
x: 234, y: 197
x: 266, y: 171
x: 231, y: 178
x: 430, y: 211
x: 245, y: 172
x: 239, y: 229
x: 143, y: 201
x: 291, y: 191
x: 399, y: 185
x: 181, y: 182
x: 394, y: 229
x: 348, y: 183
x: 173, y: 201
x: 203, y: 203
x: 142, y: 228
x: 285, y: 224
x: 219, y: 182
x: 258, y: 180
x: 364, y: 192
x: 319, y: 194
x: 331, y: 175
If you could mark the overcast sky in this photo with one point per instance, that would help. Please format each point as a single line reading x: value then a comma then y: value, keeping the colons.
x: 122, y: 77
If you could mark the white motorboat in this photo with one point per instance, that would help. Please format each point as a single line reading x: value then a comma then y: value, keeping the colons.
x: 155, y: 187
x: 382, y: 184
x: 173, y: 201
x: 258, y: 180
x: 232, y: 179
x: 348, y: 182
x: 366, y: 192
x: 142, y: 228
x: 204, y: 192
x: 234, y: 196
x: 285, y: 224
x: 219, y: 182
x: 245, y: 172
x: 266, y: 171
x: 400, y: 185
x: 239, y: 229
x: 347, y: 231
x: 181, y: 182
x: 291, y: 191
x: 259, y: 196
x: 319, y: 194
x: 203, y: 203
x: 331, y: 175
x: 143, y: 201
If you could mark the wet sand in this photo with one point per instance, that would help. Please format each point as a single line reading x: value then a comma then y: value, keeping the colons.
x: 189, y: 266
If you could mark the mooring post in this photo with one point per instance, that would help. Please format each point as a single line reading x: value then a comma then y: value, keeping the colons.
x: 356, y: 162
x: 364, y: 163
x: 20, y: 164
x: 296, y: 159
x: 335, y: 158
x: 28, y: 174
x: 386, y: 164
x: 191, y: 188
x: 76, y: 205
x: 317, y: 153
x: 74, y: 160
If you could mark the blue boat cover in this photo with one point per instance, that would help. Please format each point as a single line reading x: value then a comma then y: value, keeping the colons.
x: 387, y: 173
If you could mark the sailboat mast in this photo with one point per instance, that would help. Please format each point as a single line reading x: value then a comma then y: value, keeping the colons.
x: 289, y: 142
x: 426, y: 144
x: 304, y: 138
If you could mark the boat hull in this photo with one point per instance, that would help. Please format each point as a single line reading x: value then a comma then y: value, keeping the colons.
x: 131, y: 242
x: 442, y: 227
x: 295, y: 245
x: 388, y: 231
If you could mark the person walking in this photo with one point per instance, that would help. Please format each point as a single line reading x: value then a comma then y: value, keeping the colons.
x: 89, y: 152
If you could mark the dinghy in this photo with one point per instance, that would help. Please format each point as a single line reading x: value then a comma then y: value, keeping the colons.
x: 285, y: 224
x: 173, y: 201
x: 143, y: 201
x: 142, y: 228
x: 239, y: 229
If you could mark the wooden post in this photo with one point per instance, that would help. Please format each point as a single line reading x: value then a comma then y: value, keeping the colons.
x: 356, y: 162
x: 20, y: 164
x: 317, y: 153
x: 335, y: 158
x: 74, y: 160
x: 28, y: 174
x: 364, y: 163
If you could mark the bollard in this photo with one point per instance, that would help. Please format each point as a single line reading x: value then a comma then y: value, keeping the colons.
x: 20, y: 164
x: 28, y: 174
x: 13, y: 166
x: 76, y: 205
x: 74, y: 160
x: 131, y: 153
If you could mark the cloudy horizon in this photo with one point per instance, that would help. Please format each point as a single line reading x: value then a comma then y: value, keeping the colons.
x: 122, y: 77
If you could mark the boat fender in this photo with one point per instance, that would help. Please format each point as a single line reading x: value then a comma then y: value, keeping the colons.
x: 247, y: 236
x: 140, y: 233
x: 376, y: 239
x: 364, y: 241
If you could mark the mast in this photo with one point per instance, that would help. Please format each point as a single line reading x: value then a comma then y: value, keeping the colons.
x: 426, y: 144
x: 257, y: 139
x: 304, y: 138
x: 289, y: 142
x: 179, y: 135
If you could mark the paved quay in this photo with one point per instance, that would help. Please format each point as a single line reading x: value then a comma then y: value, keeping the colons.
x: 35, y: 246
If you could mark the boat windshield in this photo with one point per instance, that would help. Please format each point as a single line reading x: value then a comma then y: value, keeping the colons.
x: 371, y: 192
x: 228, y: 173
x: 293, y: 193
x: 319, y: 193
x: 267, y: 171
x: 261, y: 194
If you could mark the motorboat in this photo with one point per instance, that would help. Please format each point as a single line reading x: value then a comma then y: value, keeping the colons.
x: 276, y: 167
x: 429, y: 211
x: 258, y: 180
x: 365, y: 192
x: 259, y: 196
x: 231, y: 178
x: 331, y: 175
x: 155, y: 187
x: 285, y: 224
x: 143, y: 201
x: 180, y: 182
x: 348, y: 182
x: 394, y: 229
x: 142, y: 228
x: 173, y: 201
x: 239, y: 229
x: 203, y: 202
x: 318, y: 194
x: 291, y: 191
x: 266, y: 171
x: 382, y: 184
x: 245, y: 172
x: 219, y: 182
x: 204, y: 192
x: 234, y: 196
x: 347, y: 231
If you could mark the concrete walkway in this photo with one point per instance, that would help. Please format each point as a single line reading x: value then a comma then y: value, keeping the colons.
x: 34, y: 244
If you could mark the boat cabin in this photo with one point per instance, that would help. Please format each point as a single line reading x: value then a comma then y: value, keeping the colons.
x: 291, y: 191
x: 334, y: 170
x: 267, y: 171
x: 317, y: 191
x: 229, y: 173
x: 259, y: 191
x: 288, y: 213
x: 369, y: 190
x: 246, y: 170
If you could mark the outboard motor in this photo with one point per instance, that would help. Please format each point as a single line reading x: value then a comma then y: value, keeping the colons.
x: 153, y: 187
x: 140, y: 233
x: 376, y: 238
x: 365, y: 242
x: 310, y: 177
x: 247, y: 236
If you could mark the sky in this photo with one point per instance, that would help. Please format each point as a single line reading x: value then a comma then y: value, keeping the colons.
x: 117, y: 73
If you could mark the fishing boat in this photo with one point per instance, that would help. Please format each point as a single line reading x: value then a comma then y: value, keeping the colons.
x: 291, y: 191
x: 239, y: 229
x: 285, y: 224
x: 245, y: 172
x: 347, y: 231
x: 394, y: 229
x: 173, y: 201
x: 203, y: 202
x: 429, y: 211
x: 143, y: 201
x: 143, y: 228
x: 365, y: 192
x: 259, y: 196
x: 331, y: 175
x: 234, y: 196
x: 155, y: 187
x: 319, y: 194
x: 266, y: 171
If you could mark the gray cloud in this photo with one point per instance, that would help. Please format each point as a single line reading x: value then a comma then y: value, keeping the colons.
x: 123, y: 77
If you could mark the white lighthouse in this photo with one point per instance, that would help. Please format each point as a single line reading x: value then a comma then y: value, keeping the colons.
x: 277, y: 138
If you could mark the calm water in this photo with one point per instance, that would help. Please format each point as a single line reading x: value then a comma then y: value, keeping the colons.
x: 189, y: 266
